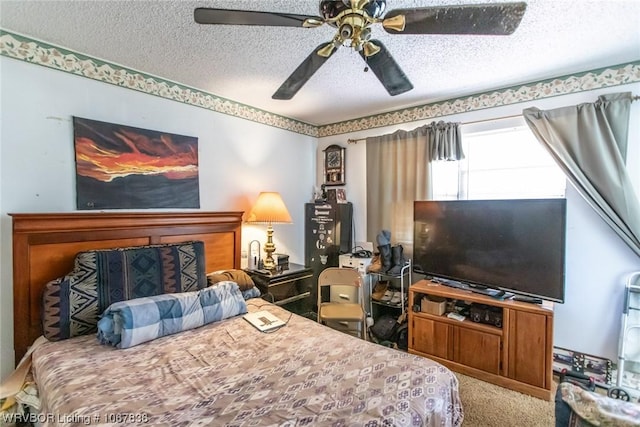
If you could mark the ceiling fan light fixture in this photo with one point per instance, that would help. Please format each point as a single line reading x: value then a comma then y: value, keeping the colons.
x: 365, y: 34
x: 346, y: 31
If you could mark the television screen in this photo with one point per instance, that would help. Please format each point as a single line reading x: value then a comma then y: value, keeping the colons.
x: 510, y: 245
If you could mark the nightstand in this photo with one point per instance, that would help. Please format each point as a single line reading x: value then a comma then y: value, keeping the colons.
x: 290, y: 288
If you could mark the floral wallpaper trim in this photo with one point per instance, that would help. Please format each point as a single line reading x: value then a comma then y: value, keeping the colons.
x: 36, y: 52
x: 596, y: 79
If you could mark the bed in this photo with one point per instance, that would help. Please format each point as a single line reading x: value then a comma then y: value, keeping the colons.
x: 225, y: 373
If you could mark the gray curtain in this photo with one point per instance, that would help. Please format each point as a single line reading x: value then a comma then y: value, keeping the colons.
x: 445, y: 142
x: 589, y: 142
x: 398, y: 172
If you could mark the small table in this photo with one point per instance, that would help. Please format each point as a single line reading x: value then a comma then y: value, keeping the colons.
x: 286, y: 287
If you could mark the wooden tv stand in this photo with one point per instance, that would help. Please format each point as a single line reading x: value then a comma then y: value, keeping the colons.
x: 517, y: 355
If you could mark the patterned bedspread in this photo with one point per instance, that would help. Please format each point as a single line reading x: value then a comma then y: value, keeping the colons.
x: 230, y: 374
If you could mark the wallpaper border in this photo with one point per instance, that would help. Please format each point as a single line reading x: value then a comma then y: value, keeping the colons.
x: 34, y: 51
x: 615, y: 75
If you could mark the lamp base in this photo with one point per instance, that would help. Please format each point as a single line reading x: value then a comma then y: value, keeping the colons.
x: 269, y: 249
x: 269, y: 263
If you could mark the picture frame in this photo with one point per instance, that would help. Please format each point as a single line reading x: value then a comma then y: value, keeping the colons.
x: 334, y: 165
x: 332, y: 195
x: 341, y: 195
x: 598, y: 368
x: 125, y: 167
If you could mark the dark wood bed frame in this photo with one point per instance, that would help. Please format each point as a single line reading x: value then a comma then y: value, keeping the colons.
x: 45, y: 245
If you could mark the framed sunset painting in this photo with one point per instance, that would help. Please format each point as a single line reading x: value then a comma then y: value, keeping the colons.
x: 123, y: 167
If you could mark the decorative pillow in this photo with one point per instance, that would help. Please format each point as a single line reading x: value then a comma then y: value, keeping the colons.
x: 129, y: 323
x: 72, y: 304
x: 253, y: 292
x: 243, y: 280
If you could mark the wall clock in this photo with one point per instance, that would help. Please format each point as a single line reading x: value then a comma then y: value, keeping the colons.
x: 334, y: 165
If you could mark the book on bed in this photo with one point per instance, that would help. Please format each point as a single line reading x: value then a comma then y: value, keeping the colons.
x: 264, y: 321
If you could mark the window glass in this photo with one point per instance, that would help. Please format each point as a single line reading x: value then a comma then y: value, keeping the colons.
x: 506, y: 163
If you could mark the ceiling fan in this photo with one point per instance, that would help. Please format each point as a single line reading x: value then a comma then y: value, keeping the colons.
x: 353, y: 20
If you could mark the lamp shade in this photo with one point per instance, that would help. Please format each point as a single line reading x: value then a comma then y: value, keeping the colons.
x: 269, y: 209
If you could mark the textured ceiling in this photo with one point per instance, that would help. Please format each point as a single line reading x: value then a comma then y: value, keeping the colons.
x: 247, y: 64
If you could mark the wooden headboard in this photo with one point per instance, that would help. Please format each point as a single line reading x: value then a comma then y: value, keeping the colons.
x: 45, y: 245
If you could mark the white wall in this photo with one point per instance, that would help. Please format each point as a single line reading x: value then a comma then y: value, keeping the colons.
x: 237, y: 158
x: 597, y: 261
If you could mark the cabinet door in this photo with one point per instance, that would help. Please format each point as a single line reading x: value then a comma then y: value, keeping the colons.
x: 529, y: 348
x: 431, y: 337
x: 476, y: 349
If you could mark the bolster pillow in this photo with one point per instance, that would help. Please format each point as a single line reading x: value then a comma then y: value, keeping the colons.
x: 128, y: 323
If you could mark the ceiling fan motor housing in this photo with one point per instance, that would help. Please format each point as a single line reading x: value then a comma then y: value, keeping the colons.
x: 353, y: 19
x: 330, y: 9
x: 375, y: 8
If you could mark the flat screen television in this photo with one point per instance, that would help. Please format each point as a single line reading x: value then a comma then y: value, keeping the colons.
x: 515, y: 246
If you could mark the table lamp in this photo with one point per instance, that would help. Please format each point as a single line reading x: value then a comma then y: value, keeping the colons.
x: 269, y: 209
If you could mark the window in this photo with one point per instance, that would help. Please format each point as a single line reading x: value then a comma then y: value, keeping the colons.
x: 500, y: 163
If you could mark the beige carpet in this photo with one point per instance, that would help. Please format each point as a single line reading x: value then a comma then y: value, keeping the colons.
x: 488, y: 405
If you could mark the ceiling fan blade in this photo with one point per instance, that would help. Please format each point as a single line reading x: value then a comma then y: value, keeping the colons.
x: 305, y: 70
x: 203, y: 15
x: 386, y: 69
x: 483, y: 19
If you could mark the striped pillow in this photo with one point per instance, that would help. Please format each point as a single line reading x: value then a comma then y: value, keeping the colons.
x: 72, y: 304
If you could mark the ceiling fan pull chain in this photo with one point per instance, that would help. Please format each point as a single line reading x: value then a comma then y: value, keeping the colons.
x: 366, y: 64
